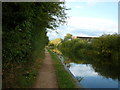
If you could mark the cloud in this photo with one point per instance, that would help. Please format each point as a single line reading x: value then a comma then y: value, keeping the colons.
x: 62, y: 31
x: 86, y: 70
x: 52, y: 35
x: 85, y: 26
x: 93, y: 24
x: 75, y: 32
x: 78, y: 7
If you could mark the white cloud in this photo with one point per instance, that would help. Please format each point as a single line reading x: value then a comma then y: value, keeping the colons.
x: 93, y: 24
x: 84, y: 35
x: 85, y: 26
x: 86, y: 70
x: 61, y: 33
x: 79, y: 7
x: 52, y: 35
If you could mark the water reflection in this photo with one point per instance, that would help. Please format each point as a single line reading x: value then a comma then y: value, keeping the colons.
x: 91, y: 79
x: 86, y: 70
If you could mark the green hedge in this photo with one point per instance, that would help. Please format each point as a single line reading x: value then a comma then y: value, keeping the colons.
x: 25, y: 26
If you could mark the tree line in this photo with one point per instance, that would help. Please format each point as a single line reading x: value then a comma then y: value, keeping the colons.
x: 24, y: 35
x: 102, y: 52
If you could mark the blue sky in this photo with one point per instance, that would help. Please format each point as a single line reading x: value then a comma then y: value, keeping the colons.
x: 89, y: 19
x: 106, y: 10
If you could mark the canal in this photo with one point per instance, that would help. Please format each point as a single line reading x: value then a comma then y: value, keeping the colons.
x: 94, y: 75
x: 90, y: 78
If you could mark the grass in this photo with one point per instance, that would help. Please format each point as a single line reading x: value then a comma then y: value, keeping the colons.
x: 28, y: 75
x: 65, y: 80
x: 22, y: 76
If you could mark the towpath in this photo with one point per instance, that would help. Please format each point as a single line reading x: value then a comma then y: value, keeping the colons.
x: 47, y: 76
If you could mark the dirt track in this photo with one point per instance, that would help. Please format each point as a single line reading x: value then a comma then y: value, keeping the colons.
x: 47, y: 76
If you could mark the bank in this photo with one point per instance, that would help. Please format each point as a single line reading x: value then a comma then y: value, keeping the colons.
x: 64, y: 78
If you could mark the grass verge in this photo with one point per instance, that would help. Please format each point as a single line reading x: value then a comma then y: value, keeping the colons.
x: 65, y: 80
x: 21, y: 76
x: 28, y: 76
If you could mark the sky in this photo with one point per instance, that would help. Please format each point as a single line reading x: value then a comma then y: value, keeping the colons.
x: 89, y: 19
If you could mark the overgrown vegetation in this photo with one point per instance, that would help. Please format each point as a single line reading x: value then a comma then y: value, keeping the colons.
x: 64, y: 78
x: 102, y: 52
x: 25, y: 25
x: 53, y: 45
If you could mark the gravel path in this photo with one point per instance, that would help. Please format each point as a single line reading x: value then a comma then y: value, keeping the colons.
x: 47, y: 76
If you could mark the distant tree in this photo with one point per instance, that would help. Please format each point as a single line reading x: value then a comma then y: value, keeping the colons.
x: 54, y: 44
x: 56, y: 41
x: 68, y: 37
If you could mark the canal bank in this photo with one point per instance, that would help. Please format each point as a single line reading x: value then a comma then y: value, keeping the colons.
x: 64, y: 77
x: 76, y: 81
x: 89, y: 77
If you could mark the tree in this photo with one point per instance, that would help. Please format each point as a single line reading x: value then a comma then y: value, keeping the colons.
x: 25, y: 26
x: 68, y: 37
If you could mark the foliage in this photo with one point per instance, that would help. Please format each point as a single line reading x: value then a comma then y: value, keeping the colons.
x: 56, y: 42
x: 102, y: 52
x: 53, y: 45
x: 74, y: 49
x: 68, y: 37
x: 107, y: 45
x: 24, y: 37
x: 107, y: 49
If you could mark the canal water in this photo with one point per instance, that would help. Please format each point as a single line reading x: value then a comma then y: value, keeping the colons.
x: 90, y: 78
